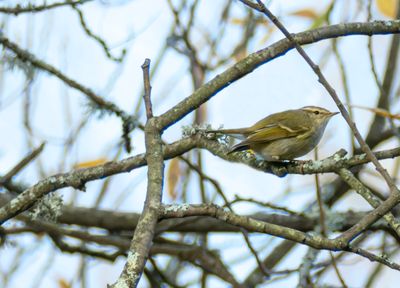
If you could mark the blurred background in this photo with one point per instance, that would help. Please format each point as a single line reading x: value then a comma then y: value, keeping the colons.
x: 102, y: 45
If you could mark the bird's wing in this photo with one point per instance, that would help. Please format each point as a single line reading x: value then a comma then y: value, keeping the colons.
x: 274, y: 132
x: 268, y: 133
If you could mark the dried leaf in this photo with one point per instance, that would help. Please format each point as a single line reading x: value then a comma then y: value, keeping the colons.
x: 63, y: 283
x: 173, y: 176
x: 238, y: 21
x: 306, y: 13
x: 379, y: 111
x: 324, y: 17
x: 243, y: 21
x: 387, y: 7
x: 91, y: 163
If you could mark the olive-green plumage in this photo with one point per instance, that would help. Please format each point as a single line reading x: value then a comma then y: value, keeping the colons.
x: 283, y: 136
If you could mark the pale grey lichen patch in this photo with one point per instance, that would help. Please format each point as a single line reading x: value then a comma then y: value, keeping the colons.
x: 53, y: 180
x: 337, y: 157
x: 205, y: 131
x: 190, y: 130
x: 132, y: 261
x: 362, y: 156
x: 131, y: 267
x: 388, y: 23
x: 177, y: 207
x: 313, y: 165
x: 47, y: 208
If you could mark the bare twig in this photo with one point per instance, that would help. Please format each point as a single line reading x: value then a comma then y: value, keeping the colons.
x: 98, y: 39
x: 147, y: 89
x: 97, y: 100
x: 17, y: 168
x: 18, y: 9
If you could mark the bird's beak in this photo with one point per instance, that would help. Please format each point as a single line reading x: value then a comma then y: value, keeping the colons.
x: 334, y: 113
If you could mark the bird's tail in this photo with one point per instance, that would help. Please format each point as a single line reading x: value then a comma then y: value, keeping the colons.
x: 239, y: 133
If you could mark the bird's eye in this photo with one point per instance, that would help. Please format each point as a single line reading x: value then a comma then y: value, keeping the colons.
x: 316, y: 112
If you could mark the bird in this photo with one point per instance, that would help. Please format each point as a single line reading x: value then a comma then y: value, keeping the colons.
x: 284, y: 135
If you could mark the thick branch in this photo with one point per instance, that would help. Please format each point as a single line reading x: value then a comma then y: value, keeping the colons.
x: 79, y: 178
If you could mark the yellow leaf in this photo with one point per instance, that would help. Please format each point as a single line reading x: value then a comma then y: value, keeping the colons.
x: 379, y: 111
x: 62, y: 283
x: 306, y: 13
x: 91, y: 163
x: 243, y: 21
x: 387, y: 7
x: 238, y: 21
x: 173, y: 176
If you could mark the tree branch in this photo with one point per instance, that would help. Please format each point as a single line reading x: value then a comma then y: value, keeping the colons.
x: 18, y: 9
x: 145, y: 230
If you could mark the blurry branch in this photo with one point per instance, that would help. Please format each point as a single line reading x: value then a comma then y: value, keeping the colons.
x: 98, y: 39
x: 203, y: 176
x: 165, y: 279
x: 118, y: 222
x: 251, y: 62
x: 373, y: 277
x: 21, y: 164
x: 370, y: 51
x: 96, y: 100
x: 305, y: 279
x: 256, y: 277
x: 184, y: 34
x: 78, y: 178
x: 26, y: 56
x: 345, y: 83
x: 265, y: 204
x: 359, y: 241
x: 30, y: 8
